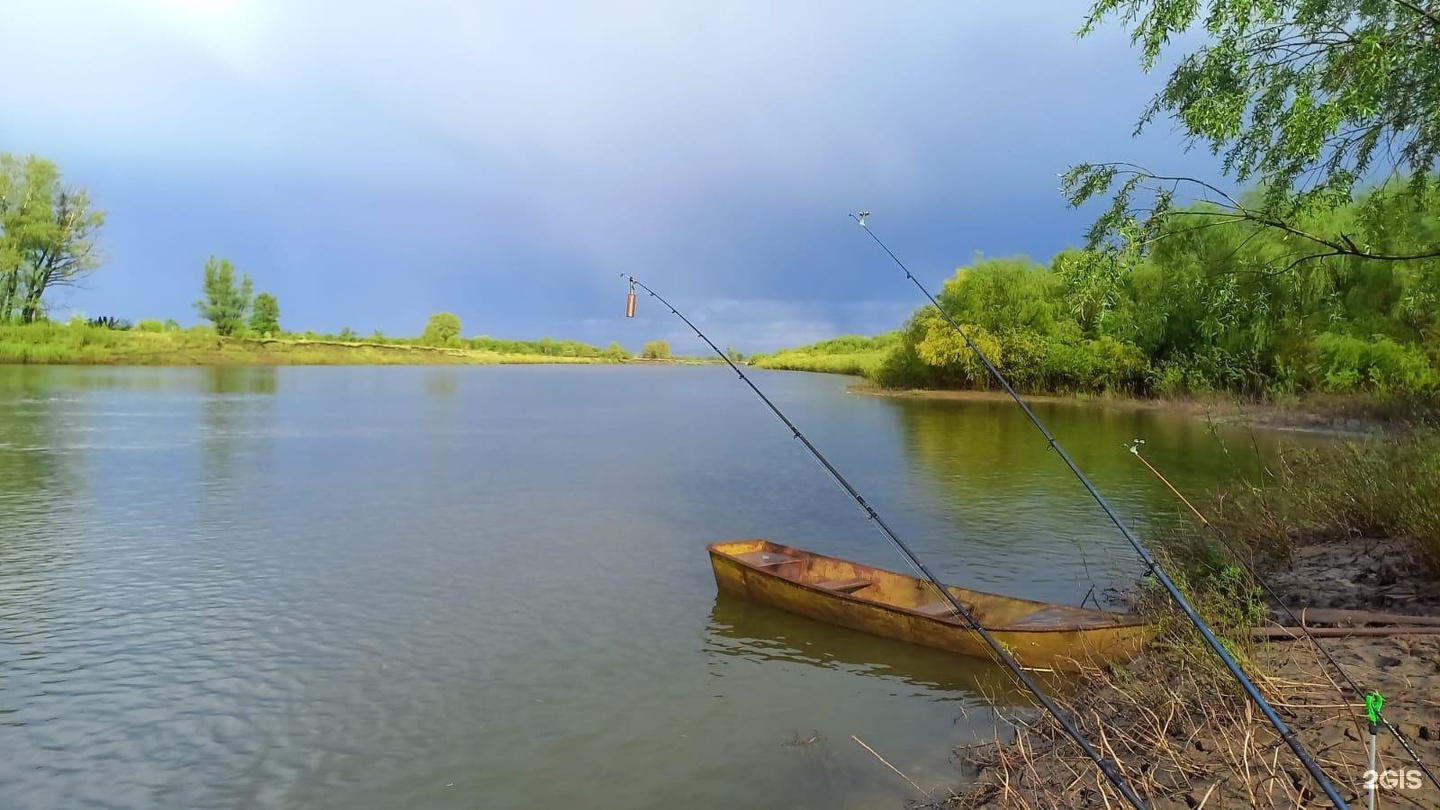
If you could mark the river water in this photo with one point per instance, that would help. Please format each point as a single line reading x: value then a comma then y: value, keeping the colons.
x: 487, y: 587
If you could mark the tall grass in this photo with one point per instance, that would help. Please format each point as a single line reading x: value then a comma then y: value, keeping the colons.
x: 1378, y: 488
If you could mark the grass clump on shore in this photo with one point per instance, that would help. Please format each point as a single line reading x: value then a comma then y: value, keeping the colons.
x: 1363, y: 511
x: 1386, y: 487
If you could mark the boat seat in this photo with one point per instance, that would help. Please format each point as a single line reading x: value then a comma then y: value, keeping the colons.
x: 1061, y: 616
x: 844, y: 585
x: 764, y: 559
x: 939, y: 610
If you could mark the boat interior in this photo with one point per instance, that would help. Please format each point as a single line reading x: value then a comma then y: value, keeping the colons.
x: 863, y: 582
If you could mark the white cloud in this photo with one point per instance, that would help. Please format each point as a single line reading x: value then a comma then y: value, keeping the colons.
x: 238, y: 34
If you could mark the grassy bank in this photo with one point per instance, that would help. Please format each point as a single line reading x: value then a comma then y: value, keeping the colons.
x: 849, y: 354
x: 1354, y: 525
x: 91, y: 345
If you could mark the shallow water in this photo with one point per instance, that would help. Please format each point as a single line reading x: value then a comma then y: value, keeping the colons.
x: 487, y: 586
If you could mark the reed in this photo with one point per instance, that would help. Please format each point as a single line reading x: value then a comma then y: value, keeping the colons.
x: 1377, y: 488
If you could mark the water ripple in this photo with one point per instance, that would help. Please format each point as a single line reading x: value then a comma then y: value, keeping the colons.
x: 357, y: 588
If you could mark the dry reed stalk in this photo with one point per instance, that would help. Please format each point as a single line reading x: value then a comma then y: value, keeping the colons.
x: 887, y: 764
x: 1205, y: 746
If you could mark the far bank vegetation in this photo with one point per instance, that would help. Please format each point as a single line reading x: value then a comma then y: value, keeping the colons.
x: 1219, y: 309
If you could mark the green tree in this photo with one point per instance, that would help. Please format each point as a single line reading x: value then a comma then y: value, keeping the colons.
x: 655, y: 350
x: 1308, y: 99
x: 265, y: 317
x: 615, y: 352
x: 47, y: 236
x: 346, y: 333
x: 441, y: 327
x: 225, y: 304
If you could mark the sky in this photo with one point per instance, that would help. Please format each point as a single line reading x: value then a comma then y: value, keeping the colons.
x: 372, y: 163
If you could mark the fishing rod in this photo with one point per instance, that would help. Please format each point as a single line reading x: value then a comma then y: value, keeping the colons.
x: 1373, y: 700
x: 1151, y: 565
x: 1106, y: 766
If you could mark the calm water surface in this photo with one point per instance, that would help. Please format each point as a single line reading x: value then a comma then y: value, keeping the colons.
x: 487, y: 587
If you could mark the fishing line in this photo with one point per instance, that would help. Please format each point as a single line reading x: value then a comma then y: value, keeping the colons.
x: 1372, y: 704
x: 1107, y: 767
x: 1154, y: 567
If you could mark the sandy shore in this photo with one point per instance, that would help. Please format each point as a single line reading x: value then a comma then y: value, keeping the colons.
x: 1318, y: 414
x: 1186, y: 739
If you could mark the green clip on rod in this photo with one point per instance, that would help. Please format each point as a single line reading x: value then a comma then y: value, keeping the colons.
x: 1107, y: 767
x: 1373, y: 702
x: 1154, y: 567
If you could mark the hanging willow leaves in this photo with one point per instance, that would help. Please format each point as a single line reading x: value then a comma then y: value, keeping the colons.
x: 1308, y: 100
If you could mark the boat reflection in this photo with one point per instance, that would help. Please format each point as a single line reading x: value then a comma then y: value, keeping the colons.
x: 746, y: 629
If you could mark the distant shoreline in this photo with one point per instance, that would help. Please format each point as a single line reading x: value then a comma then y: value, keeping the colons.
x: 88, y: 346
x: 145, y: 350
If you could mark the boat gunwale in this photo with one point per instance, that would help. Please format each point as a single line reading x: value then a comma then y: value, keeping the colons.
x: 1133, y: 620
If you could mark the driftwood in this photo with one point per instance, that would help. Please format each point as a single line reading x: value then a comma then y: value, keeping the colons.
x: 1356, y: 618
x: 1351, y: 623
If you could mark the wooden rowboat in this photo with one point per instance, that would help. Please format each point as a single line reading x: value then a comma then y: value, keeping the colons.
x: 1039, y: 635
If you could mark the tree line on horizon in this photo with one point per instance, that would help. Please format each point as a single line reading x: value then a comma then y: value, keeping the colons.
x: 48, y: 242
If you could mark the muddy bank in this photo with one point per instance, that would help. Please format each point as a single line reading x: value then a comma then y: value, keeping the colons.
x: 1355, y: 416
x: 1185, y: 737
x: 1379, y: 575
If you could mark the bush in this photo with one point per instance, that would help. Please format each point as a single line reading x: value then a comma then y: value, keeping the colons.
x: 1379, y: 365
x: 655, y: 350
x: 225, y: 304
x: 265, y: 316
x: 150, y: 325
x: 441, y: 327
